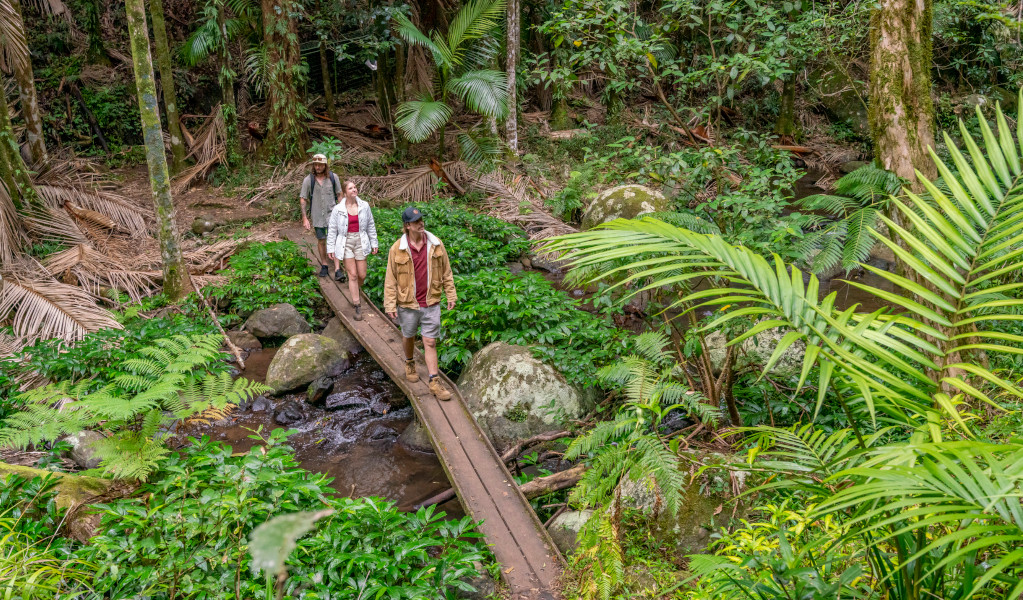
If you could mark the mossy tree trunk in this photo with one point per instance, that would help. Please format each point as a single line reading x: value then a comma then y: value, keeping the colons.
x: 29, y: 101
x: 286, y: 129
x: 13, y: 171
x: 900, y: 108
x: 97, y: 53
x: 785, y: 126
x: 511, y: 126
x: 163, y: 60
x: 176, y: 282
x: 229, y: 105
x: 328, y: 88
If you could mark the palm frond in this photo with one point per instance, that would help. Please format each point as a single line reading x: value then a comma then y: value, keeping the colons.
x: 419, y: 119
x: 12, y: 237
x: 476, y: 19
x: 859, y: 240
x: 13, y: 48
x: 479, y: 150
x: 45, y: 308
x: 484, y: 92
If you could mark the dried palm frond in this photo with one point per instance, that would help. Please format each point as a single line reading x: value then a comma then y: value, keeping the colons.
x: 347, y: 135
x: 94, y: 270
x: 280, y: 180
x: 8, y: 344
x: 508, y: 198
x: 40, y: 307
x: 411, y: 185
x: 53, y: 225
x: 13, y: 48
x: 12, y: 236
x: 209, y: 150
x: 58, y: 189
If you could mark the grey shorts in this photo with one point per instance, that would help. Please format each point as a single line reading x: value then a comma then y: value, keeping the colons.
x: 411, y: 318
x: 321, y: 232
x: 353, y: 247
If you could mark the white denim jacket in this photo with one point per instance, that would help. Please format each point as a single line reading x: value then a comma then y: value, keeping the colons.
x: 337, y: 227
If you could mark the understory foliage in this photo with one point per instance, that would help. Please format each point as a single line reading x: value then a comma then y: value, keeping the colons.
x: 175, y: 378
x: 925, y: 517
x: 210, y: 501
x: 261, y: 275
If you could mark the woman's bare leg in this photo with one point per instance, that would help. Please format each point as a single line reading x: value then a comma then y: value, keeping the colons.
x: 361, y: 265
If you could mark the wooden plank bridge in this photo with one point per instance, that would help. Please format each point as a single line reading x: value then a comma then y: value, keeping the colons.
x: 530, y: 563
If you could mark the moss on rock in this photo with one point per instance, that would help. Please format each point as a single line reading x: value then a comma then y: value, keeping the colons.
x: 623, y: 202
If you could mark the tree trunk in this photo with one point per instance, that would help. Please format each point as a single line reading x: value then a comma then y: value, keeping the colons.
x: 176, y: 283
x: 901, y: 111
x: 13, y: 171
x: 229, y: 106
x: 29, y: 103
x: 96, y: 54
x: 328, y: 89
x: 785, y: 127
x: 511, y: 126
x: 286, y: 130
x: 163, y: 60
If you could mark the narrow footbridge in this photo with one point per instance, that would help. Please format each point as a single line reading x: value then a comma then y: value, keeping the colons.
x: 530, y: 563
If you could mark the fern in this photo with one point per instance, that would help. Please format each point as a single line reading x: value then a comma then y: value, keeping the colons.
x: 174, y: 380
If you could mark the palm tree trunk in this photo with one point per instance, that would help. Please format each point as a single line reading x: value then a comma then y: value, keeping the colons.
x: 176, y: 282
x: 229, y: 106
x: 96, y: 54
x: 328, y: 89
x: 511, y: 126
x: 163, y: 61
x: 29, y: 102
x: 785, y: 126
x: 286, y: 130
x: 900, y: 109
x: 13, y: 171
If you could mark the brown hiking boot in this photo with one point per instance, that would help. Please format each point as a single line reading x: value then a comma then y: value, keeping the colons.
x: 410, y: 371
x: 438, y: 389
x: 358, y: 313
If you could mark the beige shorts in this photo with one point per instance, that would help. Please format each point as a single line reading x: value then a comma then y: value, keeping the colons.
x: 353, y: 247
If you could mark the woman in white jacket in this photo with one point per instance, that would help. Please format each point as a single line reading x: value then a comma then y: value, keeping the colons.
x: 351, y: 232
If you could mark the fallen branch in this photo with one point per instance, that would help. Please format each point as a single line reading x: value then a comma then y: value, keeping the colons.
x: 513, y: 452
x: 230, y: 345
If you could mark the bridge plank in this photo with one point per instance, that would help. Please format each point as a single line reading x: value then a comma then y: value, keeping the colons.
x: 530, y: 563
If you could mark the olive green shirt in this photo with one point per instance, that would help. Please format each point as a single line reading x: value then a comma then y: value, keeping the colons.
x: 323, y: 199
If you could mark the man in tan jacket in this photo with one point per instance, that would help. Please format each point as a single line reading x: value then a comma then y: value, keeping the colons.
x: 418, y: 272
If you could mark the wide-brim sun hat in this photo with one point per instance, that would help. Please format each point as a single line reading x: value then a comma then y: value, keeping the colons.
x: 318, y: 159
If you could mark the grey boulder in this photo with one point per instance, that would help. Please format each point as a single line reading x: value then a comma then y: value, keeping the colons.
x: 280, y: 320
x: 302, y: 359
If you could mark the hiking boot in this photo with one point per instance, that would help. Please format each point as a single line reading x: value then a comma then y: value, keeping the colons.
x: 339, y: 275
x: 358, y: 317
x: 323, y: 270
x: 410, y: 371
x: 438, y: 389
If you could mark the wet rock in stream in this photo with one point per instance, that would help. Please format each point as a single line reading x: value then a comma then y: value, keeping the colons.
x: 380, y: 432
x: 319, y: 389
x: 258, y: 404
x: 289, y: 414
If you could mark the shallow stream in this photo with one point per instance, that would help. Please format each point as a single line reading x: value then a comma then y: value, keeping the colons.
x: 351, y: 436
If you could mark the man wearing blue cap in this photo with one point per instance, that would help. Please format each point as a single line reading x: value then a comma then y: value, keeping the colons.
x: 418, y: 273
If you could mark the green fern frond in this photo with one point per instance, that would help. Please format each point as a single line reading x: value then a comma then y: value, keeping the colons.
x: 130, y: 455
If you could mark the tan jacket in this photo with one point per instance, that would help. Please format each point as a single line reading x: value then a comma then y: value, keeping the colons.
x: 400, y: 280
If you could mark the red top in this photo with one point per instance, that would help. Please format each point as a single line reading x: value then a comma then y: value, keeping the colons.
x: 353, y: 223
x: 419, y: 259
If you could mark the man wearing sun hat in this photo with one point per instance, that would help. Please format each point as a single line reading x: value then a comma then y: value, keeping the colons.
x: 418, y: 273
x: 323, y: 188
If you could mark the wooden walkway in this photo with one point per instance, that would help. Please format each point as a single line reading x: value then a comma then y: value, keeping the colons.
x: 530, y: 563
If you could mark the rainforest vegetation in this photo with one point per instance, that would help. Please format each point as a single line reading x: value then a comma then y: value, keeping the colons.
x: 759, y: 260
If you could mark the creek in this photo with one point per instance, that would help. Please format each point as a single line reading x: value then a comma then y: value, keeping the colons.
x: 351, y: 436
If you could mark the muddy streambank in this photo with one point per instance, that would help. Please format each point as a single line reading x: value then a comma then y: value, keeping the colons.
x: 351, y: 436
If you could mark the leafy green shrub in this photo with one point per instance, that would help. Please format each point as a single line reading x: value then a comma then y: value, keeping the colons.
x: 100, y: 355
x: 174, y: 378
x: 187, y: 535
x: 497, y: 306
x: 474, y: 242
x: 31, y: 505
x: 261, y: 275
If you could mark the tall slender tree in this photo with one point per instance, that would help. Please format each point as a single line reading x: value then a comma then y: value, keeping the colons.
x: 328, y: 89
x: 176, y: 282
x: 97, y: 53
x: 286, y: 130
x: 13, y: 171
x: 900, y: 108
x: 163, y: 61
x: 27, y: 94
x: 511, y: 125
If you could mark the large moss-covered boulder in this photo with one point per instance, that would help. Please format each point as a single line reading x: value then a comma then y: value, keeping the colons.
x: 280, y: 320
x: 565, y: 529
x: 302, y: 359
x: 843, y: 98
x: 623, y: 202
x: 75, y: 492
x: 515, y: 396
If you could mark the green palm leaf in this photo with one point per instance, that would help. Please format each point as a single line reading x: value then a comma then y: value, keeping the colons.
x: 419, y: 119
x: 484, y: 92
x: 476, y: 19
